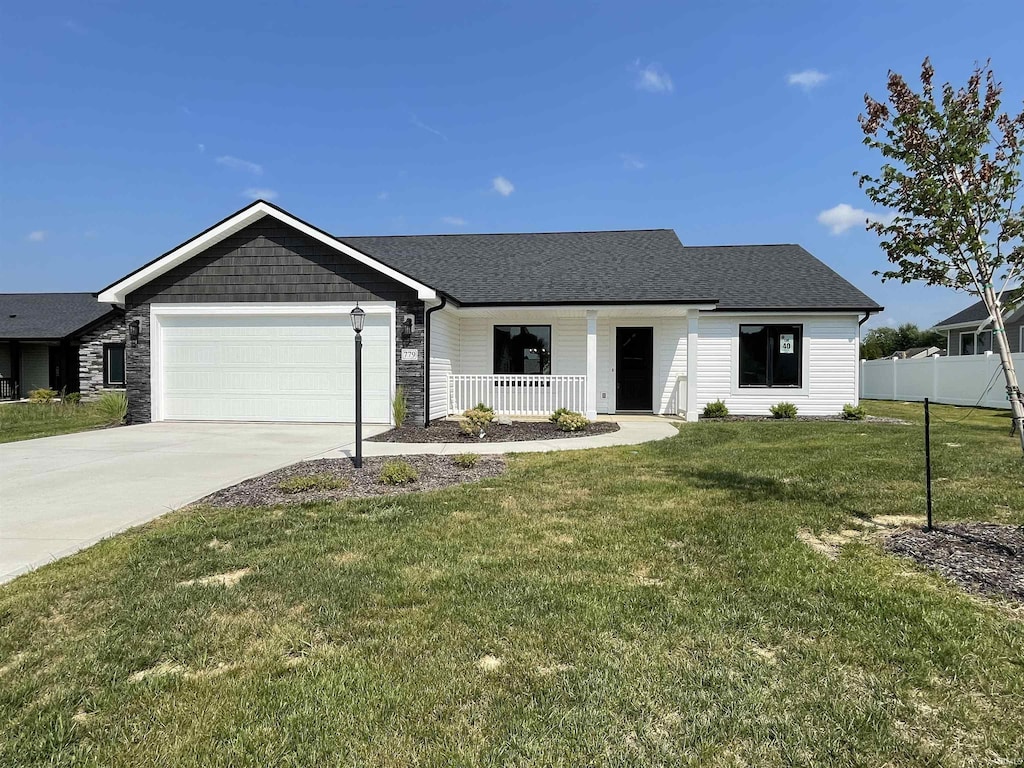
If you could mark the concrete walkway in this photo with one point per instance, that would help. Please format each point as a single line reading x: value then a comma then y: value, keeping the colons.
x: 632, y: 431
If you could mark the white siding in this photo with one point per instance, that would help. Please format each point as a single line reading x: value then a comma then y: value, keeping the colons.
x: 568, y: 342
x: 35, y: 367
x: 830, y: 364
x: 669, y: 363
x: 444, y: 358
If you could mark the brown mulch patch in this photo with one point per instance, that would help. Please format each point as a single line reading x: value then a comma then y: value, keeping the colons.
x: 434, y: 472
x: 984, y: 558
x: 443, y: 431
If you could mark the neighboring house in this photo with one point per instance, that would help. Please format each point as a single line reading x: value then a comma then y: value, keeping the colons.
x: 915, y: 353
x: 62, y: 341
x: 249, y: 320
x: 964, y: 337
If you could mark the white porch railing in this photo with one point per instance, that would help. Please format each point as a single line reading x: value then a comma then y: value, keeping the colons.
x: 512, y: 394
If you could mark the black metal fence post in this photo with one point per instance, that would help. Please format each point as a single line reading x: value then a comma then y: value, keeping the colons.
x: 928, y: 460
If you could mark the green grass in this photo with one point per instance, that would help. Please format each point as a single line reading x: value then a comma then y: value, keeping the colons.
x: 650, y: 605
x: 25, y: 421
x: 318, y: 482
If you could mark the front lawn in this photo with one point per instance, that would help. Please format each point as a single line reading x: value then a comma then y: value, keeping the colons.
x: 642, y: 605
x: 25, y: 421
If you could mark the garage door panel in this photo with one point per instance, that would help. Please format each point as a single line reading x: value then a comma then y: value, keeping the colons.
x: 273, y: 368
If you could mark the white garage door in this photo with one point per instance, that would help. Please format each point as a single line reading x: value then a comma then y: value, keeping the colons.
x: 272, y: 368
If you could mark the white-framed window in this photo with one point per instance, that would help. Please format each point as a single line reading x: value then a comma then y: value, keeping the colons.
x: 975, y: 343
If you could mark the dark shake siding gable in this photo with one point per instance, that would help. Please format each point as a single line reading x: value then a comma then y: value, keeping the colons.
x: 269, y: 261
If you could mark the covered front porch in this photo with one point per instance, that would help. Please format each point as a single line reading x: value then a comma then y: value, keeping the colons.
x: 529, y: 361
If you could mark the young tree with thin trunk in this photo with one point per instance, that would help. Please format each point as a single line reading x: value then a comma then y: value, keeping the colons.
x: 951, y: 178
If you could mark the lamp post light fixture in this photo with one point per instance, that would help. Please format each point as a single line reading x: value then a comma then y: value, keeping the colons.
x: 358, y: 317
x: 133, y: 332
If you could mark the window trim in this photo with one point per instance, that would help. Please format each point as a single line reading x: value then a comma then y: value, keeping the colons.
x: 800, y: 353
x: 974, y: 335
x: 106, y: 364
x: 551, y: 342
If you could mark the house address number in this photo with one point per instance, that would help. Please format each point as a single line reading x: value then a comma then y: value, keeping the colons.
x: 410, y: 354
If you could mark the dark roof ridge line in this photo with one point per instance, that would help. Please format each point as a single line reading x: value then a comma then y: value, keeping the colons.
x: 516, y: 234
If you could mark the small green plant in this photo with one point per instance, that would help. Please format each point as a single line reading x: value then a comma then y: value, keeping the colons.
x: 42, y: 395
x: 399, y: 406
x: 716, y: 410
x: 465, y: 460
x: 398, y: 473
x: 318, y: 482
x: 853, y: 412
x: 571, y: 421
x: 557, y: 414
x: 476, y: 420
x: 72, y: 398
x: 783, y: 410
x: 113, y: 406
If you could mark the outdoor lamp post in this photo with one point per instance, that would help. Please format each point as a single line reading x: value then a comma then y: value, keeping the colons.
x: 358, y: 316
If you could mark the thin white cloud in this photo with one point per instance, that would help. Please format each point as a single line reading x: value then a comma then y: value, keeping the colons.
x: 454, y: 221
x: 808, y: 79
x: 632, y: 162
x: 652, y: 78
x: 844, y: 216
x: 237, y: 164
x: 37, y: 236
x: 90, y: 234
x: 383, y: 196
x: 502, y: 186
x: 74, y: 26
x: 419, y: 124
x: 201, y: 147
x: 260, y: 193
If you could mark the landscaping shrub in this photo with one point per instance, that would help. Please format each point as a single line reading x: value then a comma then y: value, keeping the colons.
x: 113, y: 406
x: 72, y: 398
x: 557, y: 414
x: 466, y: 460
x: 716, y: 410
x: 854, y: 412
x: 42, y: 395
x: 476, y: 420
x: 398, y: 473
x: 783, y: 410
x: 399, y: 406
x: 571, y: 421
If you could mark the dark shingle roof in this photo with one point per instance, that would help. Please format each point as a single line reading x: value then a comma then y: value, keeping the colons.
x: 607, y: 267
x: 977, y: 312
x: 48, y: 315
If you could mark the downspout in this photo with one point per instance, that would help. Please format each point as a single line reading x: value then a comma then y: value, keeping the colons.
x: 426, y: 354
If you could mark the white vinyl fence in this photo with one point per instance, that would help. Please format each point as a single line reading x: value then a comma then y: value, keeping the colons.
x: 517, y: 394
x: 952, y: 380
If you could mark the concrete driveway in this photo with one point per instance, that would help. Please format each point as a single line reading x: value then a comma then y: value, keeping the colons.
x: 61, y: 494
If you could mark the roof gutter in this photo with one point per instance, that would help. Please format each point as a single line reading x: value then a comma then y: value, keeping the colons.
x: 426, y: 354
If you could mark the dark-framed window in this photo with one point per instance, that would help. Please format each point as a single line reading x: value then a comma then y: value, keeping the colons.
x: 113, y: 365
x: 771, y: 355
x: 522, y: 349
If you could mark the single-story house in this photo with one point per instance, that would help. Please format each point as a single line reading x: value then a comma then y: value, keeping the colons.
x: 965, y: 338
x: 249, y: 320
x: 62, y: 341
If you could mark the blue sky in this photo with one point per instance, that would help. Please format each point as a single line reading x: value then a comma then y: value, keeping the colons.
x: 129, y: 127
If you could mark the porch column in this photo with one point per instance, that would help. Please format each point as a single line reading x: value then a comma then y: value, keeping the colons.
x: 691, y: 364
x: 591, y: 364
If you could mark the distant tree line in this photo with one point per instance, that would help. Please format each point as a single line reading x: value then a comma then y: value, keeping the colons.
x: 886, y: 341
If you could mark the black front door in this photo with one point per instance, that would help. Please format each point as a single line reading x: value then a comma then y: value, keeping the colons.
x: 634, y: 369
x: 56, y: 368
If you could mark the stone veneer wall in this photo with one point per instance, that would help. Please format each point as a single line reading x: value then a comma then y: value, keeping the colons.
x: 90, y: 356
x: 136, y: 364
x: 411, y: 375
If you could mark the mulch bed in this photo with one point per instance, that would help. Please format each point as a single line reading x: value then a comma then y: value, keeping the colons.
x: 983, y: 558
x: 434, y: 472
x: 866, y: 419
x: 443, y: 431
